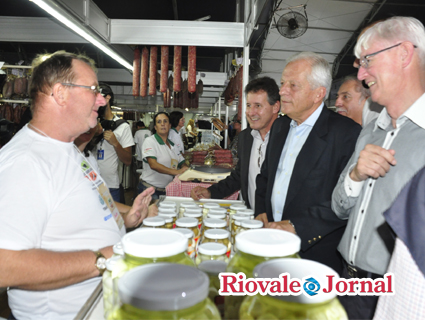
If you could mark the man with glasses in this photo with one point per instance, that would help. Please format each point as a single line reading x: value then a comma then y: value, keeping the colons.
x: 388, y: 153
x: 308, y: 149
x: 57, y: 220
x: 262, y: 108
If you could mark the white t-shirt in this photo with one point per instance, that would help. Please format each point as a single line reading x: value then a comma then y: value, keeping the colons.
x: 50, y: 199
x: 109, y: 164
x: 139, y: 138
x: 174, y: 136
x: 154, y: 147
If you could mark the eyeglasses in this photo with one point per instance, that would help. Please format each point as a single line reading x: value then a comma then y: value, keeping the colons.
x: 95, y: 89
x: 259, y: 156
x: 365, y: 61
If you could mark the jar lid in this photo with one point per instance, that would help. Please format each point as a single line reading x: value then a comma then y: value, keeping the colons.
x: 192, y: 214
x: 153, y: 222
x: 186, y: 232
x: 248, y: 212
x: 218, y: 210
x: 239, y: 216
x: 214, y: 223
x: 303, y: 270
x: 168, y: 204
x: 252, y: 224
x: 188, y: 205
x: 154, y: 243
x: 167, y: 210
x: 216, y: 234
x: 167, y: 219
x: 237, y: 207
x: 216, y: 215
x: 163, y: 287
x: 193, y: 210
x: 167, y: 214
x: 212, y: 249
x: 187, y: 222
x: 268, y: 242
x: 111, y: 262
x: 118, y: 249
x: 211, y: 205
x: 212, y: 267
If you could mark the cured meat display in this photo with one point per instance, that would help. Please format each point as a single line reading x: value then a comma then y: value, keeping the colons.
x: 164, y: 69
x: 8, y: 88
x: 17, y: 114
x: 177, y: 67
x: 144, y: 70
x: 191, y: 67
x: 136, y: 73
x: 153, y: 70
x: 8, y: 112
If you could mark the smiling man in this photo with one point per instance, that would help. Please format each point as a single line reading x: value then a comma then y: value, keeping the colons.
x: 262, y: 107
x: 388, y: 153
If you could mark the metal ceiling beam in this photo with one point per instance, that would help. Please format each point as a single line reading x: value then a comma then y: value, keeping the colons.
x: 296, y: 51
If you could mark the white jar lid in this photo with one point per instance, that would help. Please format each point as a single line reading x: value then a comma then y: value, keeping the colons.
x: 268, y: 242
x: 186, y: 232
x: 167, y: 219
x: 186, y: 222
x: 193, y: 210
x: 211, y: 205
x: 248, y: 212
x: 252, y: 224
x: 214, y: 223
x: 218, y: 210
x: 192, y: 214
x: 213, y: 267
x: 111, y: 262
x: 239, y: 216
x: 118, y: 249
x: 299, y: 268
x: 167, y: 214
x: 167, y: 210
x: 154, y: 243
x: 188, y: 205
x: 212, y: 249
x: 163, y: 287
x: 153, y: 222
x: 216, y: 215
x: 169, y: 204
x: 216, y: 234
x: 237, y: 207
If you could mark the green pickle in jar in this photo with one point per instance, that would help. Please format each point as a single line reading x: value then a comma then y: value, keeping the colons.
x: 192, y: 224
x: 109, y: 287
x: 211, y: 251
x: 255, y: 247
x: 191, y: 246
x: 165, y: 291
x: 321, y: 306
x: 187, y: 205
x: 211, y: 223
x: 218, y: 236
x: 233, y: 227
x: 195, y: 213
x: 208, y: 206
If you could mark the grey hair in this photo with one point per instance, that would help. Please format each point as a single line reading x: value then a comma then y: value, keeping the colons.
x: 392, y: 30
x: 320, y: 75
x: 365, y: 93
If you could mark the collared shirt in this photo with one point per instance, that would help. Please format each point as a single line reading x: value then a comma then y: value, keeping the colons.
x: 258, y: 153
x: 295, y: 140
x: 367, y: 241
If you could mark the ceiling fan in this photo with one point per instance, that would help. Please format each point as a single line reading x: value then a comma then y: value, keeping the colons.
x: 292, y: 24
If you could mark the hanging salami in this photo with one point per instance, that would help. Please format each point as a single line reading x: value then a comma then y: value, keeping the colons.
x: 177, y: 66
x: 136, y: 73
x: 164, y: 69
x: 144, y: 70
x: 8, y: 112
x: 153, y: 70
x: 191, y: 67
x: 17, y: 114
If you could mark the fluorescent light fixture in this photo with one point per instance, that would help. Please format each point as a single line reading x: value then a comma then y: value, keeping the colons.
x: 74, y: 26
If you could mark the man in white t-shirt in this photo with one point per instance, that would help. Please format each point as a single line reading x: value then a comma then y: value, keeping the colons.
x: 58, y: 221
x: 115, y: 145
x: 139, y: 137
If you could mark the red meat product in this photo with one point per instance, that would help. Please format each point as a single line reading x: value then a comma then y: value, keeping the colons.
x: 2, y: 109
x: 136, y: 73
x: 204, y: 153
x: 191, y: 67
x: 153, y: 70
x: 177, y: 85
x: 8, y: 112
x: 17, y: 114
x: 8, y: 89
x: 144, y: 70
x: 164, y: 69
x: 18, y: 87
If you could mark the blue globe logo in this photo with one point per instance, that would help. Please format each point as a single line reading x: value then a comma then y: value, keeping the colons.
x: 311, y: 286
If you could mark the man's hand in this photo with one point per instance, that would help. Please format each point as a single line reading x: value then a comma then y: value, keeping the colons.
x: 374, y: 161
x: 153, y: 210
x: 109, y: 136
x: 140, y: 209
x: 182, y: 169
x: 284, y: 225
x: 263, y: 218
x: 198, y: 193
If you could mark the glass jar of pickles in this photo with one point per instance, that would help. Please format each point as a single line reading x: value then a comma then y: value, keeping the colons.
x: 316, y: 307
x: 195, y: 213
x: 118, y: 249
x: 208, y: 206
x: 211, y: 223
x: 253, y: 248
x: 233, y: 227
x: 191, y: 246
x: 168, y: 215
x: 248, y: 212
x: 153, y: 222
x: 165, y: 291
x: 186, y: 205
x: 168, y: 222
x: 218, y: 213
x: 235, y: 207
x: 167, y: 204
x: 211, y: 251
x: 109, y: 298
x: 218, y: 236
x: 192, y: 224
x: 251, y: 224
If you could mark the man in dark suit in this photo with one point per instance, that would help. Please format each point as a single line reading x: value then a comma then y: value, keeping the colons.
x: 262, y: 107
x: 309, y: 147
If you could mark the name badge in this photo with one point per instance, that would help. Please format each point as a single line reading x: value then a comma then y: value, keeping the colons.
x: 100, y: 154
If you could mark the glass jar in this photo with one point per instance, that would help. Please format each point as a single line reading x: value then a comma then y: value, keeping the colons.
x: 218, y: 210
x: 192, y: 224
x: 248, y: 212
x: 251, y: 224
x: 208, y: 206
x: 211, y: 251
x: 218, y: 236
x: 211, y: 223
x: 235, y: 207
x: 118, y: 249
x: 253, y: 248
x: 186, y: 205
x: 233, y: 227
x: 197, y: 214
x: 212, y: 268
x: 109, y: 287
x: 191, y: 246
x: 167, y: 204
x: 316, y: 307
x: 168, y: 215
x: 153, y: 222
x: 218, y: 213
x: 168, y: 222
x: 165, y: 291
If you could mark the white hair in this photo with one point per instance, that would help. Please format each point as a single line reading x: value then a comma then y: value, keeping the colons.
x: 320, y: 75
x: 392, y: 30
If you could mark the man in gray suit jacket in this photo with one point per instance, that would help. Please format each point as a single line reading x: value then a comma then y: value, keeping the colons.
x: 263, y: 105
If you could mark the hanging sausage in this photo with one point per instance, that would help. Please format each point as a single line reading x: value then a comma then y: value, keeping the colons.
x: 191, y: 67
x: 164, y: 69
x: 144, y: 70
x: 136, y: 73
x: 153, y: 70
x: 177, y: 66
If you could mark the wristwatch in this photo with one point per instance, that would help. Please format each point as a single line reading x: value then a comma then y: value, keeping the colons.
x: 100, y: 262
